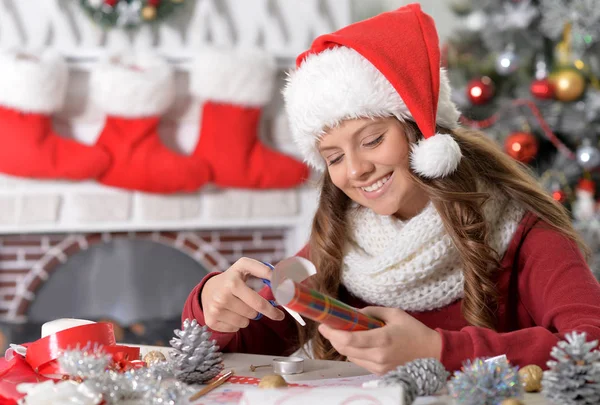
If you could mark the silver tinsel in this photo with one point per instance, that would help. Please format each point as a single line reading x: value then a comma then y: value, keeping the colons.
x: 155, y: 384
x: 87, y: 362
x: 573, y: 377
x: 583, y: 15
x: 429, y: 376
x: 592, y: 104
x: 196, y: 358
x: 485, y: 383
x: 129, y: 13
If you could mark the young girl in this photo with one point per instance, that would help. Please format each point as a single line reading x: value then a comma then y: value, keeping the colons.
x: 427, y: 226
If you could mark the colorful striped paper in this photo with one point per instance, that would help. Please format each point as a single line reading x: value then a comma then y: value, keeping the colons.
x: 322, y: 308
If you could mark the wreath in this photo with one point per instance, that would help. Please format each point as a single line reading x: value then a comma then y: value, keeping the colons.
x: 129, y: 14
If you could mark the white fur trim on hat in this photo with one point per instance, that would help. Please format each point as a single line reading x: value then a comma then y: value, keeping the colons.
x: 339, y: 84
x: 35, y: 83
x: 234, y: 76
x: 133, y: 85
x: 436, y: 156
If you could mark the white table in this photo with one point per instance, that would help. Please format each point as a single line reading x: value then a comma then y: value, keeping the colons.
x: 316, y: 370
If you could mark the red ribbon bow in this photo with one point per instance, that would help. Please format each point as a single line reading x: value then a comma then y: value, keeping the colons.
x: 41, y: 363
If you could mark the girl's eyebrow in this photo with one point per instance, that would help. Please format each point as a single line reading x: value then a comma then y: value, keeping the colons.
x: 357, y: 132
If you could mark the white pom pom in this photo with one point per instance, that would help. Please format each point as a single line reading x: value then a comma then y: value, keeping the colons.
x: 436, y: 156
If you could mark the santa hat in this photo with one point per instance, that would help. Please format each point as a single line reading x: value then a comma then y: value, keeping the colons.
x: 388, y: 65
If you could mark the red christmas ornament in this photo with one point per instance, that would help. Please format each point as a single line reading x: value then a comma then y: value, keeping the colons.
x: 111, y: 2
x: 521, y: 146
x: 587, y: 185
x: 542, y: 89
x: 559, y: 196
x: 481, y: 90
x: 154, y: 3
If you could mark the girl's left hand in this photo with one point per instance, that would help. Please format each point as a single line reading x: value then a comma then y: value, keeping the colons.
x: 402, y: 339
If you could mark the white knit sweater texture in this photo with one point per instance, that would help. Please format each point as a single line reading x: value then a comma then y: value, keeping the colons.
x: 413, y: 265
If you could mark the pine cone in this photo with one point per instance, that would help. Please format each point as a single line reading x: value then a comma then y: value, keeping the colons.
x: 429, y: 375
x: 400, y: 378
x: 573, y: 376
x: 196, y: 359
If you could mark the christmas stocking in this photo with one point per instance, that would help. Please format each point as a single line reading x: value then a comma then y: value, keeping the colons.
x: 234, y: 86
x: 134, y: 90
x: 31, y: 89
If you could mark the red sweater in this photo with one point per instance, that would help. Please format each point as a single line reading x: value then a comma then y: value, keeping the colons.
x: 545, y: 290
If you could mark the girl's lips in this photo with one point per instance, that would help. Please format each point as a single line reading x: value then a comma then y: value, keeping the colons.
x: 371, y: 195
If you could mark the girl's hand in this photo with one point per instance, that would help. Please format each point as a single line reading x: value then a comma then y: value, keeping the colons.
x: 229, y: 304
x: 402, y: 339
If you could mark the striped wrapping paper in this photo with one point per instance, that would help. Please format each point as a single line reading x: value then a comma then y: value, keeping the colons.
x: 324, y: 309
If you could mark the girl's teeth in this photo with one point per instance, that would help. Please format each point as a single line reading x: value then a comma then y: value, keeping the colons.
x: 376, y: 186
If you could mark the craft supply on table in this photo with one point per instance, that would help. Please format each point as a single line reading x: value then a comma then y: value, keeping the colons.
x: 322, y: 308
x: 212, y: 385
x: 272, y: 381
x: 324, y: 395
x: 288, y: 365
x: 299, y: 300
x: 288, y: 268
x: 531, y: 378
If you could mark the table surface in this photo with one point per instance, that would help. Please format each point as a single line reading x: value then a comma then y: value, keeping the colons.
x: 315, y: 370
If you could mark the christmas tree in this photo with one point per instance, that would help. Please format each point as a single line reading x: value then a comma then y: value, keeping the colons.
x: 526, y: 72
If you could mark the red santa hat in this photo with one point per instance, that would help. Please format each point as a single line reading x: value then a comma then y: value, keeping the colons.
x: 388, y: 65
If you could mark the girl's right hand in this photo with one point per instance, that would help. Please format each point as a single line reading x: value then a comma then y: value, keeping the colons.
x: 229, y: 304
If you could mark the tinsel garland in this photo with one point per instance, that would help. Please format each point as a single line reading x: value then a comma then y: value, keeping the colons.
x: 485, y: 383
x: 582, y: 15
x: 93, y: 376
x: 155, y: 384
x: 129, y: 14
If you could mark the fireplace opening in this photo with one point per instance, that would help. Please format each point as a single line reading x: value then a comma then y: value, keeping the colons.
x: 138, y: 285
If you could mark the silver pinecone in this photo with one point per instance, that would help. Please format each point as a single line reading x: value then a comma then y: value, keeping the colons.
x: 401, y: 379
x: 429, y: 375
x: 196, y: 358
x: 573, y: 377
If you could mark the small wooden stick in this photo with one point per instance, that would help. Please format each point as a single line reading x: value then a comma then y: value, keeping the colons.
x: 253, y: 368
x: 214, y: 384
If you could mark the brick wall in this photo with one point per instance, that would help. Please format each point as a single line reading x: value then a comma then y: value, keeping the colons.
x: 27, y: 261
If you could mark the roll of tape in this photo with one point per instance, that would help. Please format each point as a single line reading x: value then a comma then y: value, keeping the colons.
x: 288, y: 365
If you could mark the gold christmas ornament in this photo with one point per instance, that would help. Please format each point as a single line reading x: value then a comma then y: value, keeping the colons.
x: 154, y: 357
x: 511, y: 401
x: 272, y: 381
x: 531, y: 378
x: 569, y: 84
x: 149, y: 13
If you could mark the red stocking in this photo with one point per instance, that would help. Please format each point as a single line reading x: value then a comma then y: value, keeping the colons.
x: 234, y: 87
x: 31, y: 89
x: 135, y: 90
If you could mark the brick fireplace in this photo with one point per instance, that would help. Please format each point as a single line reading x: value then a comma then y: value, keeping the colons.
x: 29, y: 261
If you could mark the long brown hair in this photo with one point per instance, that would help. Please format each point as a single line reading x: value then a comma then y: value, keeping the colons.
x: 459, y: 204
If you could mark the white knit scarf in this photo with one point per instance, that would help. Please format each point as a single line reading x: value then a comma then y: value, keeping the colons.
x: 413, y: 265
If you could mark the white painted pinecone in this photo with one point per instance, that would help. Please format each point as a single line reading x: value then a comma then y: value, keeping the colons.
x: 196, y: 358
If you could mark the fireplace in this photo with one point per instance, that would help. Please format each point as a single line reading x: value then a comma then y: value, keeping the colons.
x: 137, y: 280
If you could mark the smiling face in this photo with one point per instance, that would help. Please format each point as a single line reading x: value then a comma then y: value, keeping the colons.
x: 368, y: 159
